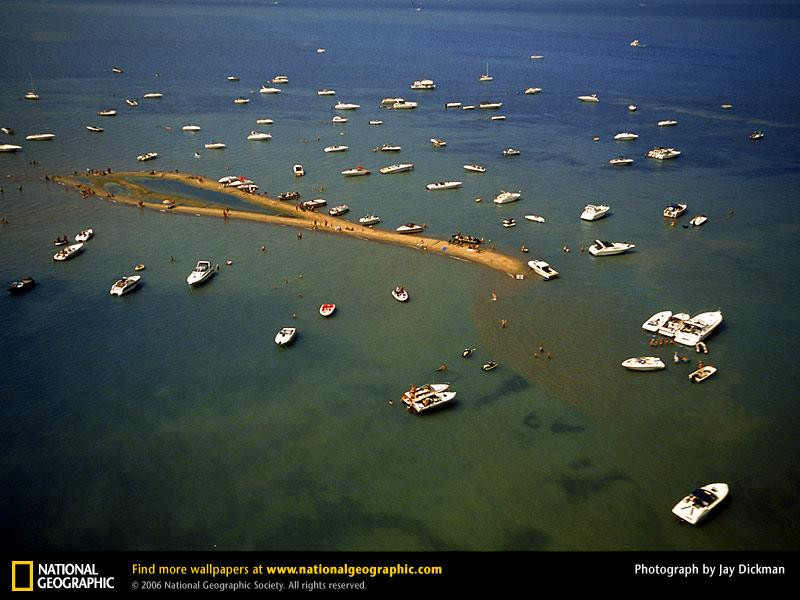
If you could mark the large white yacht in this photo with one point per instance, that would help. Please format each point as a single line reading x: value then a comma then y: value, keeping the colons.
x: 620, y: 161
x: 644, y: 363
x: 259, y: 136
x: 398, y: 168
x: 443, y: 185
x: 589, y: 98
x: 410, y: 228
x: 405, y: 105
x: 592, y: 212
x: 346, y: 106
x: 626, y: 136
x: 601, y: 248
x: 191, y: 127
x: 475, y: 168
x: 269, y: 90
x: 391, y: 100
x: 280, y: 79
x: 202, y: 272
x: 40, y: 137
x: 9, y: 148
x: 504, y: 197
x: 370, y: 219
x: 423, y: 84
x: 696, y: 506
x: 542, y: 268
x: 663, y: 153
x: 698, y: 328
x: 125, y: 285
x: 490, y: 105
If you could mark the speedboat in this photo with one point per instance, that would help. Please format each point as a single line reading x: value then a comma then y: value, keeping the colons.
x: 202, y: 272
x: 40, y: 137
x: 400, y: 294
x: 125, y: 285
x: 346, y: 106
x: 423, y: 84
x: 147, y: 156
x: 94, y: 129
x: 355, y: 172
x: 626, y: 136
x: 410, y: 228
x: 438, y: 143
x: 696, y: 506
x: 673, y: 324
x: 298, y: 170
x: 533, y: 90
x: 321, y: 50
x: 259, y: 136
x: 132, y: 102
x: 620, y: 161
x: 404, y: 105
x: 667, y: 123
x: 339, y: 210
x: 535, y: 218
x: 139, y: 267
x: 416, y: 392
x: 498, y: 118
x: 467, y: 352
x: 443, y: 185
x: 452, y: 105
x: 511, y: 152
x: 663, y: 153
x: 632, y: 107
x: 399, y: 168
x: 592, y: 212
x: 490, y: 366
x: 390, y: 148
x: 215, y: 146
x: 542, y: 268
x: 25, y: 284
x: 601, y: 248
x: 505, y: 197
x: 644, y: 363
x: 756, y: 135
x: 673, y: 211
x: 698, y: 220
x: 376, y: 122
x: 9, y: 148
x: 326, y: 310
x: 338, y: 119
x: 490, y: 105
x: 250, y: 188
x: 509, y: 222
x: 264, y: 121
x: 536, y: 57
x: 475, y: 168
x: 289, y: 196
x: 698, y: 328
x: 68, y: 252
x: 269, y: 90
x: 591, y: 98
x: 313, y: 204
x: 241, y: 100
x: 369, y: 219
x: 117, y: 70
x: 335, y: 149
x: 232, y: 78
x: 326, y: 92
x: 191, y: 127
x: 657, y: 321
x: 285, y: 336
x: 84, y: 236
x: 702, y: 374
x: 430, y: 402
x: 152, y: 95
x: 280, y: 79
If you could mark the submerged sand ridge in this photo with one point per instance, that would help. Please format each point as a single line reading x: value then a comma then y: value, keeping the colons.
x: 96, y: 184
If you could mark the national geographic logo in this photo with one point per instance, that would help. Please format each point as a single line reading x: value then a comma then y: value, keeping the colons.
x: 57, y: 576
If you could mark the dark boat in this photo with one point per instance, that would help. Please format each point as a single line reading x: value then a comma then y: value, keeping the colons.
x: 23, y: 285
x: 289, y: 196
x: 61, y: 241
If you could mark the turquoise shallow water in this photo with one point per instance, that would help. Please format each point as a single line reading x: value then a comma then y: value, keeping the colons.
x: 168, y: 419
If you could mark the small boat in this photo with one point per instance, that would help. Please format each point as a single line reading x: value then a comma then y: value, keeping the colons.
x: 289, y: 196
x: 250, y: 188
x: 511, y: 152
x: 298, y: 170
x: 438, y: 143
x: 264, y: 121
x: 335, y: 149
x: 326, y: 92
x: 453, y: 105
x: 339, y: 210
x: 644, y: 363
x: 532, y: 90
x: 25, y: 284
x: 376, y: 122
x: 139, y: 267
x: 338, y: 119
x: 390, y: 148
x: 232, y: 78
x: 696, y: 506
x: 469, y: 107
x: 326, y: 310
x: 269, y: 90
x: 153, y: 95
x: 498, y: 118
x: 404, y: 105
x: 313, y: 204
x: 7, y: 130
x: 673, y: 324
x: 280, y: 79
x: 726, y: 106
x: 398, y: 168
x: 592, y: 212
x: 410, y: 228
x: 443, y: 185
x: 667, y: 123
x: 259, y: 136
x: 68, y: 252
x: 369, y: 219
x: 475, y: 168
x: 542, y: 268
x: 535, y: 218
x: 698, y: 220
x: 509, y: 222
x: 117, y: 70
x: 400, y: 294
x: 601, y: 248
x: 61, y: 241
x: 358, y: 171
x: 490, y: 105
x: 632, y: 107
x: 756, y: 135
x: 698, y: 328
x: 490, y: 366
x: 132, y: 102
x: 536, y: 57
x: 673, y: 211
x: 486, y: 76
x: 660, y: 153
x: 321, y: 50
x: 590, y: 98
x: 423, y: 84
x: 147, y: 156
x: 84, y: 236
x: 504, y: 197
x: 626, y: 136
x: 202, y: 272
x: 191, y: 127
x: 94, y: 129
x: 702, y: 374
x: 215, y: 146
x: 418, y: 392
x: 241, y: 100
x: 346, y: 106
x: 31, y: 93
x: 657, y: 321
x: 125, y: 285
x: 9, y: 148
x: 467, y: 352
x: 636, y: 43
x: 285, y: 336
x: 40, y: 137
x: 620, y: 161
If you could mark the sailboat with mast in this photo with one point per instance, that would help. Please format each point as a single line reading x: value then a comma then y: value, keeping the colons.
x: 31, y: 93
x: 486, y: 76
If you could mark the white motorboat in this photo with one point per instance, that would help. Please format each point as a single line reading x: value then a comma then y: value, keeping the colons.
x: 667, y: 123
x: 68, y: 252
x: 702, y: 374
x: 509, y: 223
x: 410, y: 228
x: 536, y: 57
x: 632, y: 107
x: 339, y: 210
x: 405, y: 105
x: 400, y: 294
x: 117, y: 70
x: 660, y: 153
x: 673, y: 211
x: 504, y: 197
x: 438, y: 143
x: 326, y: 92
x: 107, y: 113
x: 153, y: 95
x: 84, y: 235
x: 535, y: 218
x: 232, y: 78
x: 147, y: 156
x: 321, y: 51
x: 443, y: 185
x: 369, y: 219
x: 326, y: 310
x: 657, y: 321
x: 644, y: 363
x: 452, y: 105
x: 498, y: 118
x: 490, y: 105
x: 264, y: 121
x: 125, y: 285
x: 40, y: 137
x: 673, y: 324
x: 8, y: 130
x: 592, y: 212
x: 269, y: 90
x: 696, y: 506
x: 423, y: 84
x: 620, y: 161
x: 601, y: 248
x: 94, y: 129
x: 422, y: 391
x: 431, y: 402
x: 9, y: 148
x: 389, y: 101
x: 698, y: 220
x: 335, y: 149
x: 398, y: 168
x: 133, y: 102
x: 241, y: 100
x: 346, y: 106
x: 542, y: 268
x: 280, y: 79
x: 698, y: 328
x: 338, y: 119
x: 469, y: 107
x: 31, y: 95
x: 756, y: 135
x: 376, y: 122
x: 726, y: 106
x: 590, y: 98
x: 626, y: 136
x: 475, y: 168
x: 532, y: 90
x: 358, y: 171
x: 259, y: 136
x: 298, y: 170
x: 511, y: 152
x: 285, y: 336
x: 636, y: 43
x: 215, y: 146
x: 289, y: 196
x: 202, y: 272
x: 228, y: 179
x: 191, y: 127
x: 313, y: 204
x: 390, y: 148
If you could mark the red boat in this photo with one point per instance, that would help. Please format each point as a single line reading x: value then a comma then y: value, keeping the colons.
x: 326, y: 310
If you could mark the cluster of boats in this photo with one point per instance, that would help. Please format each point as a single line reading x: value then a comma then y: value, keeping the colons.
x: 683, y: 328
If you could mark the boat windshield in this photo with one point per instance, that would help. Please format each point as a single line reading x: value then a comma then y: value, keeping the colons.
x: 703, y: 497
